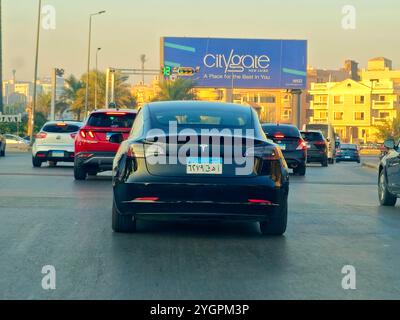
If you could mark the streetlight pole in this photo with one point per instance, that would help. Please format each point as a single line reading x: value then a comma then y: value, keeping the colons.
x: 32, y: 122
x: 1, y: 65
x: 88, y: 60
x: 96, y: 80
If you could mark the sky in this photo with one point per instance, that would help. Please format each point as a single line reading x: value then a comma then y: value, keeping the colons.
x: 130, y: 28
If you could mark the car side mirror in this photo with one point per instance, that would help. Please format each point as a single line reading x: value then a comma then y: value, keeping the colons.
x: 116, y: 138
x: 389, y: 144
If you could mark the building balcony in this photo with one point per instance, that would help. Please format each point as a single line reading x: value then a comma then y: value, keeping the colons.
x: 318, y: 105
x: 319, y: 86
x: 318, y: 120
x: 379, y: 121
x: 382, y: 104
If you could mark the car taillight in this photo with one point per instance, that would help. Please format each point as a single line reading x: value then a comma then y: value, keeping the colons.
x: 259, y: 201
x: 135, y: 151
x: 41, y: 135
x: 265, y: 153
x: 279, y: 136
x: 319, y: 143
x: 339, y: 151
x: 86, y: 133
x: 302, y: 145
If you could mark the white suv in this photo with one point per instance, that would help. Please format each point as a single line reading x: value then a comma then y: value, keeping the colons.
x: 55, y: 143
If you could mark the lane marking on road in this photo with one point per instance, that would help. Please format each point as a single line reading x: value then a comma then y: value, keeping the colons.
x: 35, y: 174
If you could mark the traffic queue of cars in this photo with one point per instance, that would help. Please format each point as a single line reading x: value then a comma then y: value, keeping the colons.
x: 159, y: 168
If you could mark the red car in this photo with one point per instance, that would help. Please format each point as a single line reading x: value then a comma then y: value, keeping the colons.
x: 94, y: 152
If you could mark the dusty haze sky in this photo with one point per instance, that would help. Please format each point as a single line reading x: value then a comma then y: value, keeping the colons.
x: 132, y: 27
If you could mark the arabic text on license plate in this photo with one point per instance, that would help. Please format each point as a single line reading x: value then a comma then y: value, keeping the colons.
x: 58, y: 154
x: 204, y: 166
x: 282, y: 146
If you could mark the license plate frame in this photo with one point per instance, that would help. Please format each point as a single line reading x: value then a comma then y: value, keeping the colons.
x: 204, y: 165
x: 58, y: 154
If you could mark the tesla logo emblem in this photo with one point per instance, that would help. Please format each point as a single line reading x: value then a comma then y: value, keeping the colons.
x: 58, y: 137
x: 203, y: 147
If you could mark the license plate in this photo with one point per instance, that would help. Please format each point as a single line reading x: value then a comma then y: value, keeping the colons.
x: 282, y: 146
x: 347, y: 157
x: 58, y: 154
x: 204, y: 166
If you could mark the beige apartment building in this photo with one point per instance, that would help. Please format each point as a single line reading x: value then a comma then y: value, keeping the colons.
x: 356, y: 108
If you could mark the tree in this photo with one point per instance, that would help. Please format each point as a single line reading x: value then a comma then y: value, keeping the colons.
x: 70, y: 94
x: 180, y: 89
x: 389, y: 129
x: 44, y: 104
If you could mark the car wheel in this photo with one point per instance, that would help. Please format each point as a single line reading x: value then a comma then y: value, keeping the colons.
x: 300, y: 170
x: 122, y: 223
x: 79, y: 172
x: 277, y: 222
x: 52, y: 163
x: 37, y: 163
x: 324, y: 163
x: 385, y: 197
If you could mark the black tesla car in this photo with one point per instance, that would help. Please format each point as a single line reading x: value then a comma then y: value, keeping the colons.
x: 293, y: 147
x: 389, y: 174
x: 199, y: 161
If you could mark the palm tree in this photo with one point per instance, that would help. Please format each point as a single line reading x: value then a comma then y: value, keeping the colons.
x: 180, y: 89
x: 70, y: 94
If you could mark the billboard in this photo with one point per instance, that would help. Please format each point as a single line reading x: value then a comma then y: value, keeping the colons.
x: 236, y: 63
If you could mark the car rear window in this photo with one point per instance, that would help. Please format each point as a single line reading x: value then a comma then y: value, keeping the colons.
x: 312, y: 136
x: 60, y: 128
x: 200, y: 118
x: 112, y: 120
x: 287, y: 131
x: 348, y: 147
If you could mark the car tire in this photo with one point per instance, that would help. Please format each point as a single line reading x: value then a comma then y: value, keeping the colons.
x: 122, y: 223
x: 385, y: 197
x: 79, y: 172
x: 277, y: 222
x: 324, y: 163
x: 300, y: 170
x: 37, y: 163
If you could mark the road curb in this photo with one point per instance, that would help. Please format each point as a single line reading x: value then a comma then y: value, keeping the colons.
x: 370, y: 165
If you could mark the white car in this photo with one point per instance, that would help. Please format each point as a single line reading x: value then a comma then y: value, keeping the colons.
x: 55, y: 143
x: 15, y: 143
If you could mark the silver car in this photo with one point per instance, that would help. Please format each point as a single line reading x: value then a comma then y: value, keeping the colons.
x: 55, y: 143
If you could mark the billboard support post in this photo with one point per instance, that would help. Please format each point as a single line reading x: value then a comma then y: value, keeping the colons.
x: 296, y: 95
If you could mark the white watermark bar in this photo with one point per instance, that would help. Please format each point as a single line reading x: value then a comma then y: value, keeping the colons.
x: 10, y: 117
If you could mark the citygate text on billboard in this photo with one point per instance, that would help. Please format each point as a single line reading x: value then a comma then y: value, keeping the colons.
x: 236, y: 63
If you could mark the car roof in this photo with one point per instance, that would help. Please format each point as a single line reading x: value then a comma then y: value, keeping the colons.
x: 114, y: 110
x: 228, y: 107
x: 284, y: 125
x: 64, y: 121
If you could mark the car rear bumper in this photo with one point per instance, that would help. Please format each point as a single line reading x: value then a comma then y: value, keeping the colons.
x: 101, y: 160
x: 295, y: 159
x: 46, y: 152
x: 348, y: 158
x: 316, y: 156
x: 177, y: 200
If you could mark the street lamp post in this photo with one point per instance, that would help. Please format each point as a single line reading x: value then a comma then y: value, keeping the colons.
x: 32, y: 122
x: 88, y: 61
x: 96, y: 80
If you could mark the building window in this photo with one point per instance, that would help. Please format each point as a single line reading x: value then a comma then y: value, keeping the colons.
x: 384, y: 115
x: 338, y: 99
x: 359, y: 99
x: 382, y: 98
x: 320, y: 100
x: 286, y: 114
x: 359, y: 116
x: 338, y: 115
x: 267, y: 99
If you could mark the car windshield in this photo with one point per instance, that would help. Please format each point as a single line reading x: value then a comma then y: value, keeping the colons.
x: 61, y: 127
x: 312, y: 136
x: 112, y: 120
x: 201, y: 118
x: 348, y: 147
x: 287, y: 131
